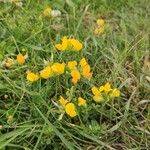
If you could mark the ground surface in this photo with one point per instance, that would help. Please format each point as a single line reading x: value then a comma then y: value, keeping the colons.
x: 29, y: 113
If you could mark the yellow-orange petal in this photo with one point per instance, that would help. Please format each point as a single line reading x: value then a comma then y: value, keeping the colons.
x: 101, y: 88
x: 100, y: 22
x: 86, y: 71
x: 107, y: 87
x: 115, y: 93
x: 72, y: 65
x: 32, y: 77
x: 58, y: 68
x: 95, y: 91
x: 63, y: 101
x: 81, y: 101
x: 46, y: 73
x: 76, y: 45
x: 99, y: 30
x: 75, y: 76
x: 83, y: 62
x: 98, y: 98
x: 70, y: 110
x: 59, y: 47
x: 20, y: 59
x: 47, y: 12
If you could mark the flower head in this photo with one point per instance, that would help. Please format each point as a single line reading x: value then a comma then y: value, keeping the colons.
x: 58, y: 68
x: 76, y: 45
x: 20, y: 59
x: 115, y: 93
x: 46, y: 73
x: 107, y: 87
x: 106, y: 91
x: 98, y: 98
x: 97, y: 94
x: 95, y: 91
x: 72, y: 65
x: 64, y: 45
x: 101, y: 88
x: 47, y: 12
x: 100, y: 22
x: 81, y: 101
x: 75, y: 76
x: 83, y: 62
x: 69, y: 44
x: 32, y: 76
x: 100, y: 27
x: 86, y: 71
x: 63, y: 101
x: 70, y: 110
x: 99, y: 30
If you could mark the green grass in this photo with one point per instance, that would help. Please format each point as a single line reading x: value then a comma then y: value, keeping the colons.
x: 116, y: 56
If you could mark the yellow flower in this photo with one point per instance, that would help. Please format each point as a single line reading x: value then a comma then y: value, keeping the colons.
x: 99, y: 30
x: 115, y: 93
x: 70, y: 110
x: 76, y: 45
x: 72, y: 65
x: 86, y: 71
x: 32, y: 76
x: 83, y: 62
x: 46, y: 73
x: 97, y: 94
x: 101, y: 89
x: 100, y: 22
x: 98, y: 98
x: 47, y: 12
x: 69, y: 44
x: 58, y: 68
x: 62, y: 101
x: 64, y: 45
x: 107, y: 87
x: 20, y: 59
x: 81, y: 101
x: 75, y: 76
x: 95, y: 91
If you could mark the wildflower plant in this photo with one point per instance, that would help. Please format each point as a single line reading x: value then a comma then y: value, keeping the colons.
x: 62, y: 87
x: 74, y: 70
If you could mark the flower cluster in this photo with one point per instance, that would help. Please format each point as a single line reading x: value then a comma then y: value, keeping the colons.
x: 100, y: 94
x: 104, y: 91
x: 69, y: 44
x: 77, y: 70
x: 69, y: 107
x: 55, y: 69
x: 100, y: 27
x: 83, y: 69
x: 47, y: 72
